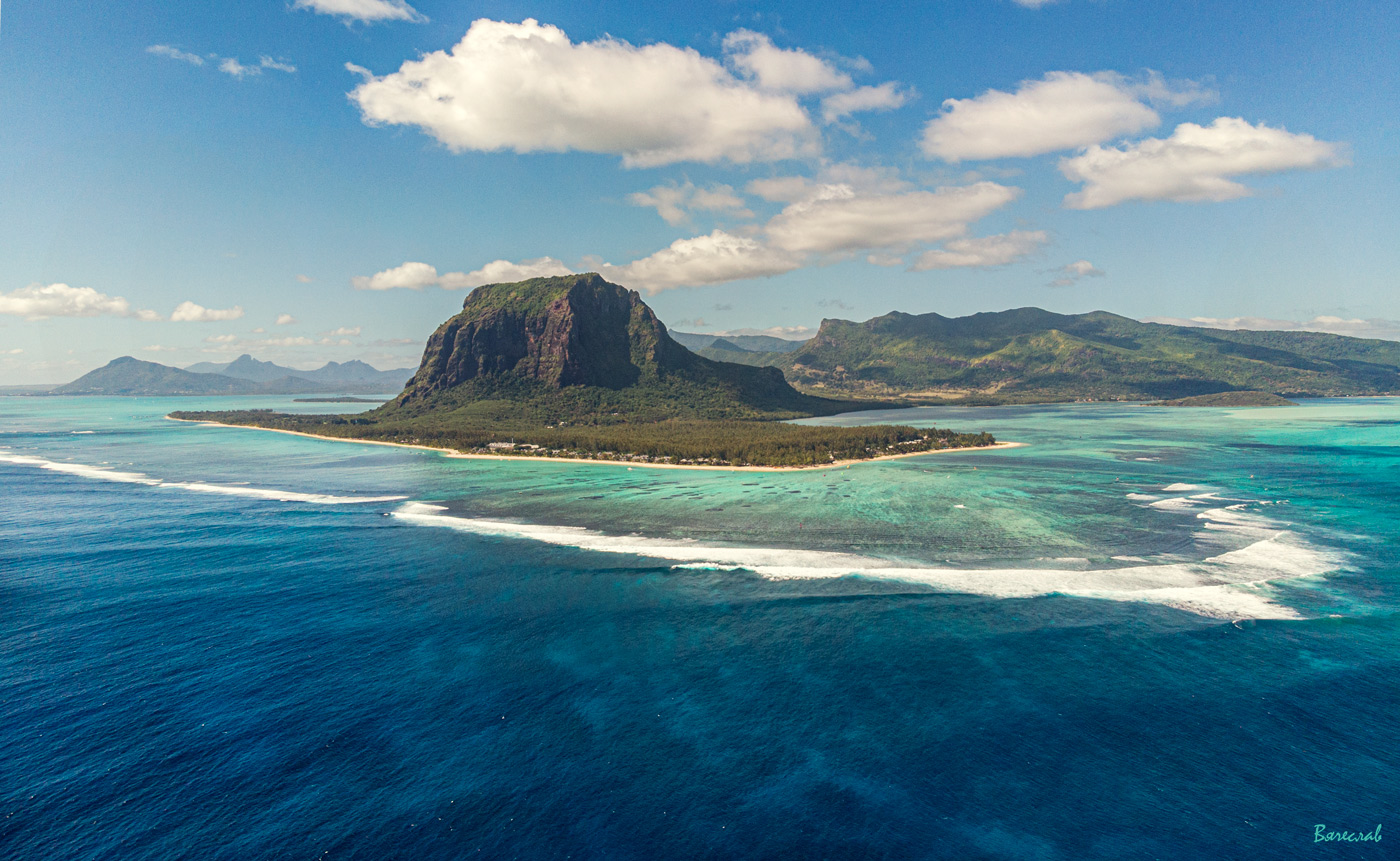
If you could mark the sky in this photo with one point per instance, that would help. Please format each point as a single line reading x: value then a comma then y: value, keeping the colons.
x: 316, y: 180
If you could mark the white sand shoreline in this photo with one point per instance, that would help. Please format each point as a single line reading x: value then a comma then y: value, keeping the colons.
x: 453, y: 453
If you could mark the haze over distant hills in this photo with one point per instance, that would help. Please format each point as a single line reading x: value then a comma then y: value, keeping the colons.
x: 245, y: 367
x: 243, y: 376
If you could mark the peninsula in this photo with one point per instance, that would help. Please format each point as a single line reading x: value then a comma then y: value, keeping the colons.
x: 577, y: 367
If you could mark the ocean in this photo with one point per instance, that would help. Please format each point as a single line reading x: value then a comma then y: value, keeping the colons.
x: 1147, y: 633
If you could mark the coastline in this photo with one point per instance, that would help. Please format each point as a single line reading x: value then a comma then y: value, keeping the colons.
x: 453, y: 453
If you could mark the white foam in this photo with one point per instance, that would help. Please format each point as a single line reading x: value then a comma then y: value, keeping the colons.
x: 79, y: 469
x: 277, y: 495
x: 1231, y: 585
x: 1179, y: 487
x: 106, y: 474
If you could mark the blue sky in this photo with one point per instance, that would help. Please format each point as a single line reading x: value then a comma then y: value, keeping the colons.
x: 325, y: 179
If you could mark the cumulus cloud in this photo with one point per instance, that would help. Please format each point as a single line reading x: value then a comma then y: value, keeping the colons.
x: 41, y: 301
x: 1194, y: 164
x: 189, y: 312
x: 673, y: 202
x: 343, y: 332
x: 364, y: 10
x: 787, y: 70
x: 1073, y: 273
x: 712, y: 259
x: 839, y: 219
x: 526, y: 87
x: 883, y: 97
x: 285, y: 320
x: 407, y: 276
x: 1063, y: 110
x: 416, y: 276
x: 1385, y: 330
x: 982, y: 252
x: 175, y: 54
x: 830, y: 221
x: 503, y: 272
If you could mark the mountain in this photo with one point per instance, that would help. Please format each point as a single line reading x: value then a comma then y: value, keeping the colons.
x: 758, y: 343
x: 579, y: 348
x: 576, y: 367
x: 245, y: 367
x: 129, y: 376
x: 1031, y: 354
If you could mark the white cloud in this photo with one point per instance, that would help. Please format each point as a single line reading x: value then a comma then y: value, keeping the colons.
x: 1063, y: 110
x: 1072, y: 273
x: 416, y: 276
x: 1386, y: 330
x: 343, y: 332
x: 175, y: 54
x: 305, y: 279
x: 285, y: 320
x: 781, y: 188
x: 408, y: 276
x: 189, y: 312
x: 231, y: 66
x: 791, y: 333
x: 221, y: 339
x: 41, y: 301
x: 672, y: 201
x: 504, y: 272
x: 787, y: 70
x: 526, y: 87
x: 267, y: 62
x: 1193, y: 164
x: 157, y: 348
x: 884, y: 97
x: 983, y: 251
x: 712, y: 259
x: 15, y: 352
x: 364, y: 10
x: 1034, y: 4
x: 839, y: 219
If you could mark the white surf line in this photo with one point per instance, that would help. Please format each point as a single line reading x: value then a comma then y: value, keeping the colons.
x: 1231, y: 585
x: 107, y: 474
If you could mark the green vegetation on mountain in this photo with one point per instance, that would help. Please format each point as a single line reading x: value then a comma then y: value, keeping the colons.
x: 577, y: 367
x: 1228, y: 399
x: 1031, y: 355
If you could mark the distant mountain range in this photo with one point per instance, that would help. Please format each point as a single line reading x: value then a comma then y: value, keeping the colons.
x: 245, y: 367
x: 243, y: 376
x: 741, y: 343
x: 601, y: 352
x: 1028, y: 354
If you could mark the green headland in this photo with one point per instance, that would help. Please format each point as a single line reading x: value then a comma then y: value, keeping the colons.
x: 578, y: 367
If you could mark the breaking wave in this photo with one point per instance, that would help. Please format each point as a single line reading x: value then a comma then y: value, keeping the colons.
x: 1230, y: 585
x: 101, y: 473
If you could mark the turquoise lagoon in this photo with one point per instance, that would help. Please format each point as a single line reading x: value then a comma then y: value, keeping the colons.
x: 1145, y: 633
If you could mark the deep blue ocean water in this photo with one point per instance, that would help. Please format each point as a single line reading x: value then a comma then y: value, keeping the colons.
x: 1147, y: 634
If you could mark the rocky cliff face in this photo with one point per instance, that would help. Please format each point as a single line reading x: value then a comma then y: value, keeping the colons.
x: 566, y: 334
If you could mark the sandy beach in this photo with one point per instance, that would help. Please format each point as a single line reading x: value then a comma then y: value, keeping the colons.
x: 449, y: 452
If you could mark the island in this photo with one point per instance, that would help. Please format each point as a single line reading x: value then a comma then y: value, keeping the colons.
x: 577, y: 367
x: 1229, y: 399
